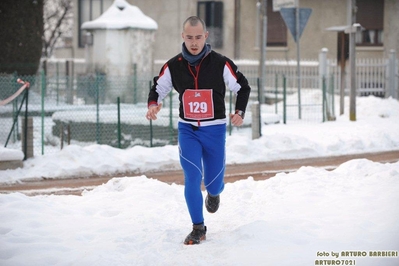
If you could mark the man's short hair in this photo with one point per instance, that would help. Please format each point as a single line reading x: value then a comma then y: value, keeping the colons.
x: 193, y: 20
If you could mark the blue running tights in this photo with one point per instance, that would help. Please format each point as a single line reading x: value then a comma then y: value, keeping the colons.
x: 202, y: 155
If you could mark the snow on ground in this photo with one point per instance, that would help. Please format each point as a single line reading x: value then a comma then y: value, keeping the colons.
x: 285, y: 220
x: 312, y: 216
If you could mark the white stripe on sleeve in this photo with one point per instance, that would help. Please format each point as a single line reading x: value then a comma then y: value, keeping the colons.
x: 164, y: 84
x: 230, y: 79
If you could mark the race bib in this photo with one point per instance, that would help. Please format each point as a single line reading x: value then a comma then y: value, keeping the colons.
x: 198, y: 104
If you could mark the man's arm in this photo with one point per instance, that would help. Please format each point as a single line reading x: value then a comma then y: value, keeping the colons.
x: 161, y: 88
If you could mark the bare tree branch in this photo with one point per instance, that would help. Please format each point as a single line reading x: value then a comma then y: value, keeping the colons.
x: 58, y: 19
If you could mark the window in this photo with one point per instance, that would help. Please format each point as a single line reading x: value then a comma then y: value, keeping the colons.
x: 90, y: 10
x: 276, y: 28
x: 370, y: 14
x: 212, y: 13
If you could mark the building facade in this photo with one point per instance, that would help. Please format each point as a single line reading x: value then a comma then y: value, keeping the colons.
x: 235, y: 28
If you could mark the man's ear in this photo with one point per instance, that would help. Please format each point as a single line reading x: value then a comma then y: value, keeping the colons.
x: 206, y: 35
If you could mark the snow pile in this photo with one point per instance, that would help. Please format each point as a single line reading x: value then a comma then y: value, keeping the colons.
x: 10, y: 154
x: 285, y: 220
x: 121, y: 15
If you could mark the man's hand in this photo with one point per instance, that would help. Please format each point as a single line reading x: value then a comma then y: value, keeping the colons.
x: 153, y: 111
x: 236, y: 120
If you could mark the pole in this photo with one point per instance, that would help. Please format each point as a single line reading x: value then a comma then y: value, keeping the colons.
x: 43, y: 94
x: 257, y: 28
x: 284, y: 100
x: 342, y: 65
x: 322, y: 78
x: 171, y: 117
x: 151, y: 133
x: 393, y: 91
x: 26, y: 125
x: 231, y: 109
x: 255, y: 120
x: 15, y: 119
x: 119, y: 122
x: 263, y: 12
x: 237, y: 22
x: 298, y: 59
x: 352, y: 58
x: 97, y: 109
x: 61, y: 135
x: 276, y: 95
x: 324, y: 105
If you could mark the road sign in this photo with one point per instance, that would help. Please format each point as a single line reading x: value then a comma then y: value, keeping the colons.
x: 289, y: 17
x: 278, y: 4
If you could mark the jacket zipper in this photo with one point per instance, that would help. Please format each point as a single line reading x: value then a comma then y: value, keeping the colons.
x: 197, y: 69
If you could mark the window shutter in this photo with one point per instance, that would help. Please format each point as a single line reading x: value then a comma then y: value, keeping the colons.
x: 370, y: 14
x: 276, y: 28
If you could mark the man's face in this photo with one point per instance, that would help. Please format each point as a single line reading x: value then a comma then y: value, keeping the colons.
x: 194, y: 38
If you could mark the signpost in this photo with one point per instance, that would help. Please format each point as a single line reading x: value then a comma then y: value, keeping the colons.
x: 296, y: 20
x: 352, y: 59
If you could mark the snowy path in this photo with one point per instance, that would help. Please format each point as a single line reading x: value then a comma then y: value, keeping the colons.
x: 259, y: 171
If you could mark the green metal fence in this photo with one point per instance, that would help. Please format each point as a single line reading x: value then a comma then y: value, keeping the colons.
x: 97, y: 109
x: 90, y: 109
x: 312, y: 102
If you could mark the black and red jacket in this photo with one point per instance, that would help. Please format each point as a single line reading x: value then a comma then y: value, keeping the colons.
x: 215, y: 72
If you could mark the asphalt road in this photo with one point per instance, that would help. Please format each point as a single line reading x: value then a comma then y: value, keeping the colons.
x: 259, y: 171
